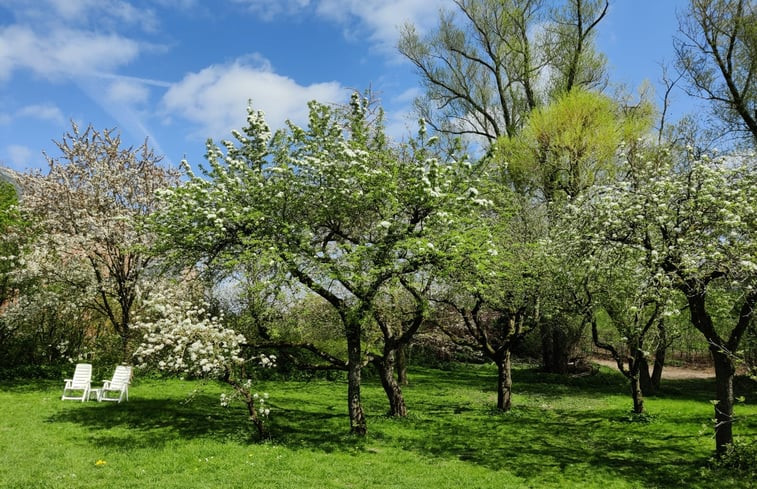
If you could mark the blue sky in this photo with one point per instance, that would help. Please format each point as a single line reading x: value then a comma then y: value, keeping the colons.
x: 180, y: 71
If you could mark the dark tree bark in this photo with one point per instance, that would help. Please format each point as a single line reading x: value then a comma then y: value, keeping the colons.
x: 635, y: 360
x: 385, y: 367
x: 636, y: 394
x: 494, y: 337
x: 724, y: 372
x: 402, y: 365
x: 650, y: 382
x: 556, y: 349
x: 395, y: 341
x: 504, y: 381
x: 358, y: 424
x: 722, y: 356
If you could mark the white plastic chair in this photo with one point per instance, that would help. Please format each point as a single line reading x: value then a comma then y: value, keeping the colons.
x: 80, y: 382
x: 119, y: 384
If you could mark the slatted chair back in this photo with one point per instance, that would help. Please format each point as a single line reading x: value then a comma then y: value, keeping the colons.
x: 80, y: 382
x: 118, y: 384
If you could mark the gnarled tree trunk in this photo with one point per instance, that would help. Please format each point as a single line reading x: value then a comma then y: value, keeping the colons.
x: 636, y: 394
x: 385, y: 367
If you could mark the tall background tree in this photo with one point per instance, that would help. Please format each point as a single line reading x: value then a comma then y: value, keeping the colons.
x: 564, y: 149
x: 717, y: 53
x: 488, y: 68
x: 489, y: 63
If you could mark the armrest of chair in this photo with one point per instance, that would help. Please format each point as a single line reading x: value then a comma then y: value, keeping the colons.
x: 68, y: 381
x: 106, y: 384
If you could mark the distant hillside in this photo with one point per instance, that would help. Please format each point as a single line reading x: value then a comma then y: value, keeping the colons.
x: 8, y: 175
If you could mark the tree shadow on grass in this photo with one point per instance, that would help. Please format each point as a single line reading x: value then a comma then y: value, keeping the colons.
x: 142, y: 423
x: 532, y: 442
x: 20, y: 386
x: 538, y: 445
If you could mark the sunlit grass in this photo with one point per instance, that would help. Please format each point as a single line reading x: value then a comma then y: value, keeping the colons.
x: 562, y: 432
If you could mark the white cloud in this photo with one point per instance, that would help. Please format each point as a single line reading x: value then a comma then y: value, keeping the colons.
x: 111, y: 14
x: 377, y: 20
x: 45, y: 112
x: 129, y: 92
x: 407, y: 96
x: 19, y: 157
x: 382, y: 18
x: 215, y: 97
x: 63, y: 53
x: 267, y: 10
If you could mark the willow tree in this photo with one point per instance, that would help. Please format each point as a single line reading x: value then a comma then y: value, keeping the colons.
x: 489, y: 63
x: 334, y: 205
x: 565, y: 149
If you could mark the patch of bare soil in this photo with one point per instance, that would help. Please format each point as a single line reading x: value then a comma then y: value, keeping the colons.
x: 669, y: 372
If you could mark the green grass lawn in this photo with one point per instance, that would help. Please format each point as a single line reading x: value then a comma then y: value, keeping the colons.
x: 562, y: 432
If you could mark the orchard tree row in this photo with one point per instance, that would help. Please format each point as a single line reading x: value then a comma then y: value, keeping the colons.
x: 332, y: 247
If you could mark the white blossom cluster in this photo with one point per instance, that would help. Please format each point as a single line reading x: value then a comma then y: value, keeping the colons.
x: 261, y: 409
x: 680, y: 223
x: 324, y: 199
x: 183, y: 338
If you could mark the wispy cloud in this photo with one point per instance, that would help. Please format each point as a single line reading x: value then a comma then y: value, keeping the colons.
x: 128, y: 92
x: 376, y: 20
x: 45, y: 112
x: 20, y: 157
x: 381, y: 19
x: 110, y: 15
x: 267, y: 10
x: 63, y: 53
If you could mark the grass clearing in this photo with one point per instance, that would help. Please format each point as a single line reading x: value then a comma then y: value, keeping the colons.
x: 562, y: 432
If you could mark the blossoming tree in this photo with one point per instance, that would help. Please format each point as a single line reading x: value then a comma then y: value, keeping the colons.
x: 181, y: 337
x: 334, y: 205
x: 693, y: 224
x: 88, y: 209
x: 490, y: 282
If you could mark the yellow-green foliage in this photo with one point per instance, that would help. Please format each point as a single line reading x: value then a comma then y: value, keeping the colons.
x: 565, y: 147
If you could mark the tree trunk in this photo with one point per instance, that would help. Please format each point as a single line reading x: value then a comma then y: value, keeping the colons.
x: 402, y: 365
x: 561, y: 353
x: 659, y: 360
x: 125, y: 357
x: 354, y: 365
x: 554, y: 349
x: 546, y: 346
x: 659, y: 363
x: 636, y: 393
x: 724, y: 372
x: 645, y: 379
x: 650, y: 383
x: 385, y: 367
x: 504, y: 382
